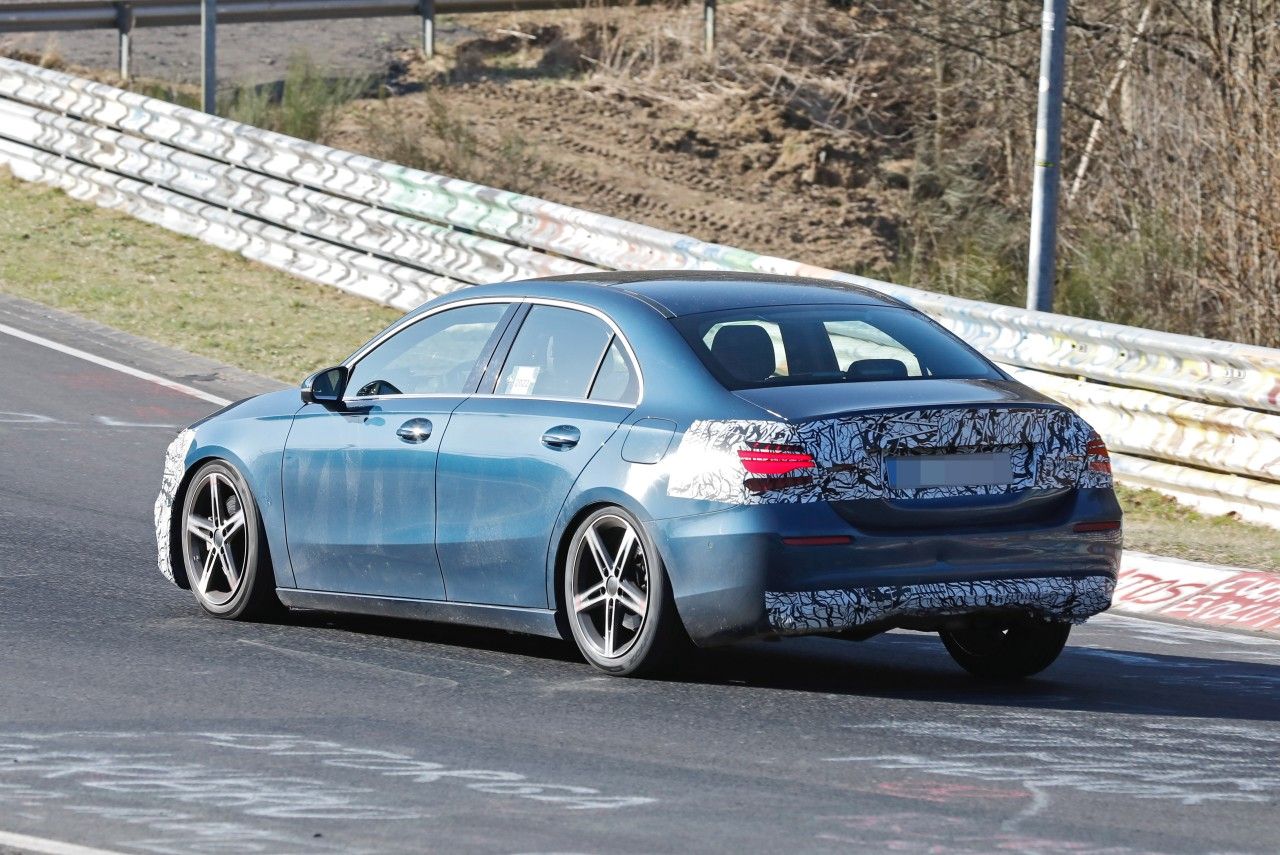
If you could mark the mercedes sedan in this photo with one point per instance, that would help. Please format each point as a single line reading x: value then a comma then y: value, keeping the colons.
x: 643, y: 463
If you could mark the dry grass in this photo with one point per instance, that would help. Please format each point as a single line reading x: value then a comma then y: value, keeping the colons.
x: 1156, y: 523
x: 175, y: 290
x: 422, y: 133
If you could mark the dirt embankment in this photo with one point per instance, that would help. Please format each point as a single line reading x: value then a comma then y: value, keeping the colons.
x: 586, y: 111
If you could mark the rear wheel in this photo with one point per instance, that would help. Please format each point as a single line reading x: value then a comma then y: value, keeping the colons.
x: 617, y: 599
x: 224, y: 548
x: 1009, y: 651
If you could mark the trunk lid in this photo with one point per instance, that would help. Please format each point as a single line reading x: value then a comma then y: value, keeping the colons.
x: 804, y: 403
x: 927, y: 454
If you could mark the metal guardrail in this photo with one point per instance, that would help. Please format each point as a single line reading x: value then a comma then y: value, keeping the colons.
x: 124, y: 16
x: 103, y: 14
x: 1196, y: 418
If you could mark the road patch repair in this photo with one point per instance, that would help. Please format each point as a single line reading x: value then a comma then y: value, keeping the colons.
x: 1207, y: 594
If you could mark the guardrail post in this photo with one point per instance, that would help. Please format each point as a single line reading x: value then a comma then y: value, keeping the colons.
x: 209, y: 55
x: 124, y: 26
x: 1044, y: 193
x: 709, y: 26
x: 427, y: 9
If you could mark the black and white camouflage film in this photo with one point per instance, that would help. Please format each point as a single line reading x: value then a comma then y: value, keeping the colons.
x: 175, y: 459
x: 1053, y: 598
x: 1049, y: 448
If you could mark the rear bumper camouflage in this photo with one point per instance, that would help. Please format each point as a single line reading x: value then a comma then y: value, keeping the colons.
x: 1059, y: 598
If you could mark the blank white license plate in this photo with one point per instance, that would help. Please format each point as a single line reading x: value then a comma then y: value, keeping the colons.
x: 950, y: 470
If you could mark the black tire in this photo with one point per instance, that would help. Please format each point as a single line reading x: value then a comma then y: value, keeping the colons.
x: 657, y: 641
x: 1009, y: 652
x: 213, y: 544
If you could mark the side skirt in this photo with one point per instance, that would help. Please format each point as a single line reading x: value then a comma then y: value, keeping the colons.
x: 530, y: 621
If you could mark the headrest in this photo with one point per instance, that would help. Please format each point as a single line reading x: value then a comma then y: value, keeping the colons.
x: 745, y: 351
x: 877, y: 369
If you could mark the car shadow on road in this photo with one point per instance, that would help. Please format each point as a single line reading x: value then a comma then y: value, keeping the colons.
x: 1086, y: 678
x: 903, y: 666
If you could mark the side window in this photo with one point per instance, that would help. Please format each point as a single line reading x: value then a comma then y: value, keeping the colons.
x: 555, y: 354
x: 616, y: 381
x: 435, y: 355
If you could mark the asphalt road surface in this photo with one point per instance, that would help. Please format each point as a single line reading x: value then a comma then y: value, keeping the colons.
x: 130, y: 723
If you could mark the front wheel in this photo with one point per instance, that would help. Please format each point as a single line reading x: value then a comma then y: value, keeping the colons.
x: 617, y: 599
x: 224, y: 548
x: 1007, y: 652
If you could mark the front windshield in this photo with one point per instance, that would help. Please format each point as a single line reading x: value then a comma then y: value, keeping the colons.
x: 802, y: 345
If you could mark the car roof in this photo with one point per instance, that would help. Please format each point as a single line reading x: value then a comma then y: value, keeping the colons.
x: 688, y: 292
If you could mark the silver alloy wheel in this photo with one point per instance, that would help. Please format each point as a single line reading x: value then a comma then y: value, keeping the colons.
x: 610, y: 586
x: 214, y: 539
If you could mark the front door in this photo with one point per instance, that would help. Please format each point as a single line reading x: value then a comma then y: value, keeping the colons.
x: 359, y: 479
x: 510, y: 458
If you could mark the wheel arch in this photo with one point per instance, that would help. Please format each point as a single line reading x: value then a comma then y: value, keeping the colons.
x: 208, y: 454
x: 586, y: 505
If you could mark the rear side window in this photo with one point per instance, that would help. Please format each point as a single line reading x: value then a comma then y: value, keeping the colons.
x: 555, y: 354
x: 802, y: 345
x: 616, y: 381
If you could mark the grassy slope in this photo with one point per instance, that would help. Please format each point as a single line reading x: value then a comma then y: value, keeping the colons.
x: 172, y: 289
x: 151, y: 282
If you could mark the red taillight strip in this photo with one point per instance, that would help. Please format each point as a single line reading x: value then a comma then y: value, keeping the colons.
x: 1096, y: 456
x: 767, y: 458
x: 1105, y: 525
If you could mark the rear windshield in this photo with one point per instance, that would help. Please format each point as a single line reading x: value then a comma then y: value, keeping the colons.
x: 803, y: 345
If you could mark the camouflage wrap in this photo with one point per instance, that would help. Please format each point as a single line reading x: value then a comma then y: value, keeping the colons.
x: 175, y: 463
x: 1049, y: 449
x: 1052, y: 598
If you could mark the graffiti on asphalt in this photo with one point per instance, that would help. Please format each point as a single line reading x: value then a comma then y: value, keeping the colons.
x: 1190, y: 762
x: 189, y: 793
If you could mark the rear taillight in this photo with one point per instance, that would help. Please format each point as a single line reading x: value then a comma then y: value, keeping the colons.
x: 1096, y: 456
x: 776, y: 466
x: 767, y: 458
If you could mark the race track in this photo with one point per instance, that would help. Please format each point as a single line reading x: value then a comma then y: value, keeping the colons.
x: 130, y: 723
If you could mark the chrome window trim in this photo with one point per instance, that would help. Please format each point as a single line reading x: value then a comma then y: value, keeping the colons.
x: 373, y: 399
x: 370, y: 346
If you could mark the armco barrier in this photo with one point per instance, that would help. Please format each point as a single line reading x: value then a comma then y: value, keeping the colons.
x: 1194, y: 417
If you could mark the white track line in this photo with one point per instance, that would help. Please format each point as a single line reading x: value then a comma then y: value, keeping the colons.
x: 44, y: 846
x: 116, y: 366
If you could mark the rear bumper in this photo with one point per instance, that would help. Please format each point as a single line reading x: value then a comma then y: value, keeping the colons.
x: 1056, y: 598
x: 734, y: 577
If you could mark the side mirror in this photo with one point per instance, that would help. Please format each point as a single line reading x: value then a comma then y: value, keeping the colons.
x: 325, y: 387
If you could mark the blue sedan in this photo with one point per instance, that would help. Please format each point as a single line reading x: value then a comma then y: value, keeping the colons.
x: 645, y: 462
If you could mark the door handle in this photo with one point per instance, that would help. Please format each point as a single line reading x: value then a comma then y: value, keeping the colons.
x: 415, y: 430
x: 561, y: 437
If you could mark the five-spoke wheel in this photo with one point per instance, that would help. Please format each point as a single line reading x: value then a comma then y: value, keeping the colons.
x: 215, y: 537
x: 222, y: 548
x: 612, y: 581
x: 616, y: 597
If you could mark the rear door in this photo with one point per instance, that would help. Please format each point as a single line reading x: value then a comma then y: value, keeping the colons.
x: 512, y: 453
x: 359, y: 479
